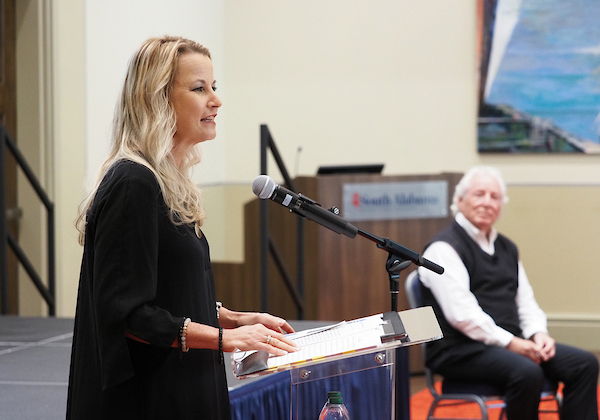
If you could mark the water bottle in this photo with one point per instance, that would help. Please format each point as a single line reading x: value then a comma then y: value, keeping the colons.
x: 334, y: 408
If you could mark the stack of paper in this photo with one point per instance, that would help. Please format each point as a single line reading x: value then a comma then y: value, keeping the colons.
x: 341, y: 338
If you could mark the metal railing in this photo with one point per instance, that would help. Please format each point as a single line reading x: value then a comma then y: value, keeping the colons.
x: 49, y: 292
x: 266, y: 243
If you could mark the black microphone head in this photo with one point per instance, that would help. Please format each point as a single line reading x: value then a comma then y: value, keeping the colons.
x: 263, y: 186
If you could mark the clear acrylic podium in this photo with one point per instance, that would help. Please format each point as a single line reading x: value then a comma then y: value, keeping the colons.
x: 365, y: 381
x: 366, y: 378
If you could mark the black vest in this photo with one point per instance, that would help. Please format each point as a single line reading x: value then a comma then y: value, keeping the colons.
x: 493, y: 280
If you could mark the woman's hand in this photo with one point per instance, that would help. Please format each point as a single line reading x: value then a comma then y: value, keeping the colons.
x: 273, y: 322
x: 232, y: 319
x: 255, y: 331
x: 258, y: 337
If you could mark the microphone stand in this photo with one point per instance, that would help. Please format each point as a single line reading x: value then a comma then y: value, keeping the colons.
x: 396, y: 262
x: 399, y: 258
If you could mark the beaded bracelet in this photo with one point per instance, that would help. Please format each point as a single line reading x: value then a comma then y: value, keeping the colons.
x: 221, y: 345
x: 183, y: 335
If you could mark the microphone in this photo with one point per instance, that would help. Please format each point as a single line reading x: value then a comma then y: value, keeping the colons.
x: 264, y: 187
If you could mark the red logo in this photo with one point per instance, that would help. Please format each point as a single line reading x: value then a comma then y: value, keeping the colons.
x: 356, y: 199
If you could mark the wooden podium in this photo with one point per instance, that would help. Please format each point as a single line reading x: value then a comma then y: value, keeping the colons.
x: 344, y: 278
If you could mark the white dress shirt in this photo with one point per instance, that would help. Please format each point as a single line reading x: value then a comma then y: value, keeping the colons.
x: 460, y: 306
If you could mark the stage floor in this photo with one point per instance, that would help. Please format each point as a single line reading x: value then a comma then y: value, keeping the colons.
x: 34, y: 367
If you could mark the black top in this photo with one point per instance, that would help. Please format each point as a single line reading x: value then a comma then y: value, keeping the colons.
x: 494, y: 280
x: 144, y: 275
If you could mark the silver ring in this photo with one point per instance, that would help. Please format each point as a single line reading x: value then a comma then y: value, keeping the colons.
x: 268, y: 339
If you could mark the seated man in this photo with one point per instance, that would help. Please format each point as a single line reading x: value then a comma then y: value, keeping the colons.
x: 494, y: 330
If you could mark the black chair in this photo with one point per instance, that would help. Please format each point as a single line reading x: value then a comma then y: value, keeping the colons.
x: 457, y: 392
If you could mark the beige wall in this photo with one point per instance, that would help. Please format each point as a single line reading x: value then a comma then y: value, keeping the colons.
x: 344, y: 81
x: 351, y: 82
x: 557, y: 228
x: 224, y: 226
x: 51, y: 123
x: 68, y: 110
x: 31, y: 142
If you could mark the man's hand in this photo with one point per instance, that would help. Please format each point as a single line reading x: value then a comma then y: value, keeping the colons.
x: 525, y: 348
x: 540, y: 348
x: 547, y: 345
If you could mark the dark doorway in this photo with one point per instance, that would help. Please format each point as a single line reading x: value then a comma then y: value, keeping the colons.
x: 8, y: 118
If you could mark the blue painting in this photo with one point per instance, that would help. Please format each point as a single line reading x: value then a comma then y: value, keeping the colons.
x: 539, y: 88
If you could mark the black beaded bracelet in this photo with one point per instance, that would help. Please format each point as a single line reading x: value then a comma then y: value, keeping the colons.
x: 221, y: 345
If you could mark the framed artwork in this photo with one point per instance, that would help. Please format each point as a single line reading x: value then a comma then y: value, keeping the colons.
x: 539, y: 76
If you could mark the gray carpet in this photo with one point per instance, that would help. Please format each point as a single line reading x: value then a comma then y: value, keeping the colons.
x: 34, y: 367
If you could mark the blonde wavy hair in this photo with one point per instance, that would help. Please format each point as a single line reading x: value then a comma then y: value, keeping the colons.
x: 143, y: 127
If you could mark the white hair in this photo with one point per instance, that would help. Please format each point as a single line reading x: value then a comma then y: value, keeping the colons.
x: 463, y: 186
